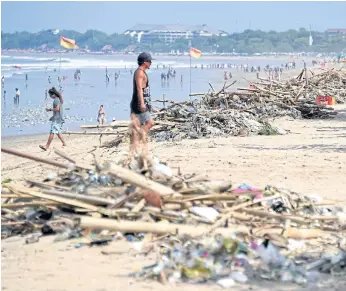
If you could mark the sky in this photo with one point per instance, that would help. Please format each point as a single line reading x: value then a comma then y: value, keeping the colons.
x: 112, y: 17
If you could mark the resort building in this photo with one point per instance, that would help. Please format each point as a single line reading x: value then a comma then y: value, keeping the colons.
x: 337, y: 31
x: 169, y: 33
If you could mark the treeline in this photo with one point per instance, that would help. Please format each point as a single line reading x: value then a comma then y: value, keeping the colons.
x: 249, y: 41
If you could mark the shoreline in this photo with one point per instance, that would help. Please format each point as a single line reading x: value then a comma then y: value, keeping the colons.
x: 217, y: 80
x: 318, y: 145
x: 170, y: 56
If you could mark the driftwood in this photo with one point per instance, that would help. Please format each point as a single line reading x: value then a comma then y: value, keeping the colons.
x: 92, y: 133
x: 129, y: 226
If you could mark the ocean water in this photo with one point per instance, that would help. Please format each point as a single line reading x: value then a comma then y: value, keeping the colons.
x: 83, y: 98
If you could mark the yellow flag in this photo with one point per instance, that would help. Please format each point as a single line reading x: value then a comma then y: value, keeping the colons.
x: 68, y: 43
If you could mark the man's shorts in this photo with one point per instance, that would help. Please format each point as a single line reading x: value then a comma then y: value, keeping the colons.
x: 56, y: 127
x: 143, y: 117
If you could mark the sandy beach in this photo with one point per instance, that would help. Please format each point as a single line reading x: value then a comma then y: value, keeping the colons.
x: 311, y: 160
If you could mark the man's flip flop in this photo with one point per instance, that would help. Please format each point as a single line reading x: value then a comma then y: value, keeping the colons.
x: 43, y: 148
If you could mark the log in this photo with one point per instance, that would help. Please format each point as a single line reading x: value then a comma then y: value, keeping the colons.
x: 64, y: 155
x: 122, y: 123
x: 28, y: 204
x: 15, y: 196
x: 47, y: 186
x: 138, y: 180
x: 291, y: 232
x: 91, y: 133
x: 294, y: 218
x: 71, y: 202
x: 197, y: 94
x: 82, y: 197
x: 34, y: 158
x: 158, y: 228
x: 13, y: 223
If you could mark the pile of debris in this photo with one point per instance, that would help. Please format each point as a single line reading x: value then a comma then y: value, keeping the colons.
x: 244, y: 112
x: 247, y: 110
x: 206, y: 230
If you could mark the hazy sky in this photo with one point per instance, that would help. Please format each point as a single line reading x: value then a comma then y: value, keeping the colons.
x: 113, y: 17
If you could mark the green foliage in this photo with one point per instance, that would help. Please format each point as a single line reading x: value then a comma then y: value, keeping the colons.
x: 249, y: 41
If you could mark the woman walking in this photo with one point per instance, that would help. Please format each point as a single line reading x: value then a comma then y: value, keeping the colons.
x: 57, y: 118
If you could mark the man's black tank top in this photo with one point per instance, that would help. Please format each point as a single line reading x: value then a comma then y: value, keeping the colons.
x: 135, y: 102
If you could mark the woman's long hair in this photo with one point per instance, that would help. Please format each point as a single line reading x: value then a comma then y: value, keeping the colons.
x: 54, y: 91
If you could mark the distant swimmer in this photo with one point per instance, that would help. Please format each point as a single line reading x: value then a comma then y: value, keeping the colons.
x: 116, y: 76
x: 2, y: 81
x: 101, y: 116
x: 26, y: 77
x: 181, y: 78
x: 49, y: 80
x: 46, y: 95
x: 5, y: 95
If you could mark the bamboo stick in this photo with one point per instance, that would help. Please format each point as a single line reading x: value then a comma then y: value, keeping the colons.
x: 86, y: 198
x: 15, y: 196
x: 22, y: 189
x: 28, y: 204
x: 47, y: 185
x: 137, y: 226
x: 64, y: 155
x: 91, y: 133
x: 34, y: 158
x: 139, y: 180
x: 294, y: 218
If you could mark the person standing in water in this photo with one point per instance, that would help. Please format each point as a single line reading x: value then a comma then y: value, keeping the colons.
x: 16, y: 98
x: 140, y: 103
x: 49, y: 80
x: 101, y: 116
x: 2, y: 81
x: 57, y: 118
x: 45, y: 95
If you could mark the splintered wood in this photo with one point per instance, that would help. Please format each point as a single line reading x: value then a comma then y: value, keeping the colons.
x: 135, y: 201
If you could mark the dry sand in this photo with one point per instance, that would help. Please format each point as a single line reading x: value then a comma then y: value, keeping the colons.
x: 311, y: 159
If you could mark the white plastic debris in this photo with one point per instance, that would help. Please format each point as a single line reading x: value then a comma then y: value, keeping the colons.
x: 239, y: 277
x: 162, y: 169
x: 208, y: 213
x: 225, y: 282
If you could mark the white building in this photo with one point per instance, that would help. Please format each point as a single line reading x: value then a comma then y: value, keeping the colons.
x: 170, y: 33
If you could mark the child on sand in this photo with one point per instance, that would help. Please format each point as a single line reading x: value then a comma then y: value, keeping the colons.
x: 101, y: 116
x: 57, y: 118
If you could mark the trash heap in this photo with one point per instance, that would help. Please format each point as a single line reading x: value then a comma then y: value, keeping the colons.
x: 204, y: 230
x: 248, y: 110
x: 193, y: 121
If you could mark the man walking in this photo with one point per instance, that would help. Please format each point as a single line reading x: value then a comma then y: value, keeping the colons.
x: 140, y: 103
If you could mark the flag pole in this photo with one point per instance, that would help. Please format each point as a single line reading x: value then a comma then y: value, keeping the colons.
x: 60, y: 60
x: 190, y: 68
